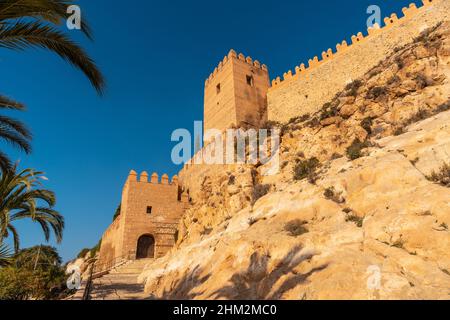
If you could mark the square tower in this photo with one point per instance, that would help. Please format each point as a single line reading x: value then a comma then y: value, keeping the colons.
x: 150, y: 212
x: 236, y: 93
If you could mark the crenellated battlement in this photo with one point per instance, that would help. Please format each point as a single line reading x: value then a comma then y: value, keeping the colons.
x: 154, y: 179
x: 233, y: 55
x: 328, y: 55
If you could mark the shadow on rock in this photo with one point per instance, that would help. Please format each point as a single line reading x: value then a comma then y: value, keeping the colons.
x: 257, y: 283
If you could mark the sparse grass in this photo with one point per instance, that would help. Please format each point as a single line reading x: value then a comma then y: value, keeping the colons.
x: 314, y: 122
x: 252, y: 220
x: 83, y: 253
x: 398, y: 131
x: 423, y: 81
x: 399, y: 62
x: 352, y: 88
x: 355, y: 219
x: 443, y: 107
x: 259, y: 191
x: 270, y: 125
x: 206, y: 231
x: 366, y: 124
x: 414, y: 161
x: 424, y: 35
x: 442, y: 176
x: 335, y: 156
x: 399, y: 244
x: 296, y: 227
x: 331, y: 194
x: 394, y: 79
x: 421, y: 114
x: 354, y: 150
x: 329, y: 110
x: 376, y: 92
x: 299, y: 119
x: 305, y: 168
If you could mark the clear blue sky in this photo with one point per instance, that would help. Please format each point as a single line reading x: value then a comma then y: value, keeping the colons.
x: 156, y: 56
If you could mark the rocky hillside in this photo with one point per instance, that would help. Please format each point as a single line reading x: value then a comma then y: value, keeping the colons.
x: 360, y: 209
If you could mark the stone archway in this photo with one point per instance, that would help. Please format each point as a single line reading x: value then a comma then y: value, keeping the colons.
x: 145, y: 247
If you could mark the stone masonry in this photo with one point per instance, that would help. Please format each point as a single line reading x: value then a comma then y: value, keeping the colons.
x: 149, y: 209
x: 239, y: 92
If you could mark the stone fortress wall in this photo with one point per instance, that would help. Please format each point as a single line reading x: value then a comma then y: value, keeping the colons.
x: 148, y: 208
x: 232, y: 98
x: 305, y: 93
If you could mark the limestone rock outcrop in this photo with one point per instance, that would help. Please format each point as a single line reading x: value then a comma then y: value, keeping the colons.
x: 371, y: 224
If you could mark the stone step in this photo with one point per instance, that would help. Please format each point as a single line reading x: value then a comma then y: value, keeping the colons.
x: 121, y: 282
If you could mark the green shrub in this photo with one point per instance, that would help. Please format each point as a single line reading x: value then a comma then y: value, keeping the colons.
x: 399, y: 62
x: 354, y: 150
x: 352, y: 88
x: 296, y: 227
x: 83, y: 253
x: 366, y: 124
x: 305, y: 168
x: 376, y: 92
x: 421, y: 114
x: 443, y: 107
x: 392, y: 80
x: 330, y: 194
x: 329, y: 110
x: 355, y: 219
x: 335, y: 156
x: 442, y: 176
x: 399, y: 244
x: 423, y: 81
x: 299, y: 119
x: 398, y: 131
x: 259, y: 191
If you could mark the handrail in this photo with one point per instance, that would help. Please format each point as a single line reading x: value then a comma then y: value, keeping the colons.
x: 87, y: 289
x: 111, y: 264
x: 97, y: 269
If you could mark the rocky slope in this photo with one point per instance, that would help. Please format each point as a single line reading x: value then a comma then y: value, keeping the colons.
x: 356, y: 211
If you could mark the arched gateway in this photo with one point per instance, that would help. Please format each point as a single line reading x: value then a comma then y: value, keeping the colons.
x: 145, y: 247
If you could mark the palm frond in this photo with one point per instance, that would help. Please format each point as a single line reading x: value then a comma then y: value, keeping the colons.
x: 15, y: 138
x: 15, y: 125
x: 7, y: 103
x: 20, y: 199
x: 52, y: 11
x: 24, y: 35
x: 5, y: 255
x: 5, y: 163
x: 16, y: 237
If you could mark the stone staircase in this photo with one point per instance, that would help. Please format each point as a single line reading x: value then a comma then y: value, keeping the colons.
x: 120, y: 283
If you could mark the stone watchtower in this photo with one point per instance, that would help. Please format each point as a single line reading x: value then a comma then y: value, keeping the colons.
x: 235, y: 93
x: 148, y: 220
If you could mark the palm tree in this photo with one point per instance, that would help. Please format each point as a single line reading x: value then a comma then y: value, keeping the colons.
x: 21, y: 199
x: 28, y: 24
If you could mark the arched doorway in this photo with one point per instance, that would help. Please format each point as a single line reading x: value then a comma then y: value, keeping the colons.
x: 145, y: 247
